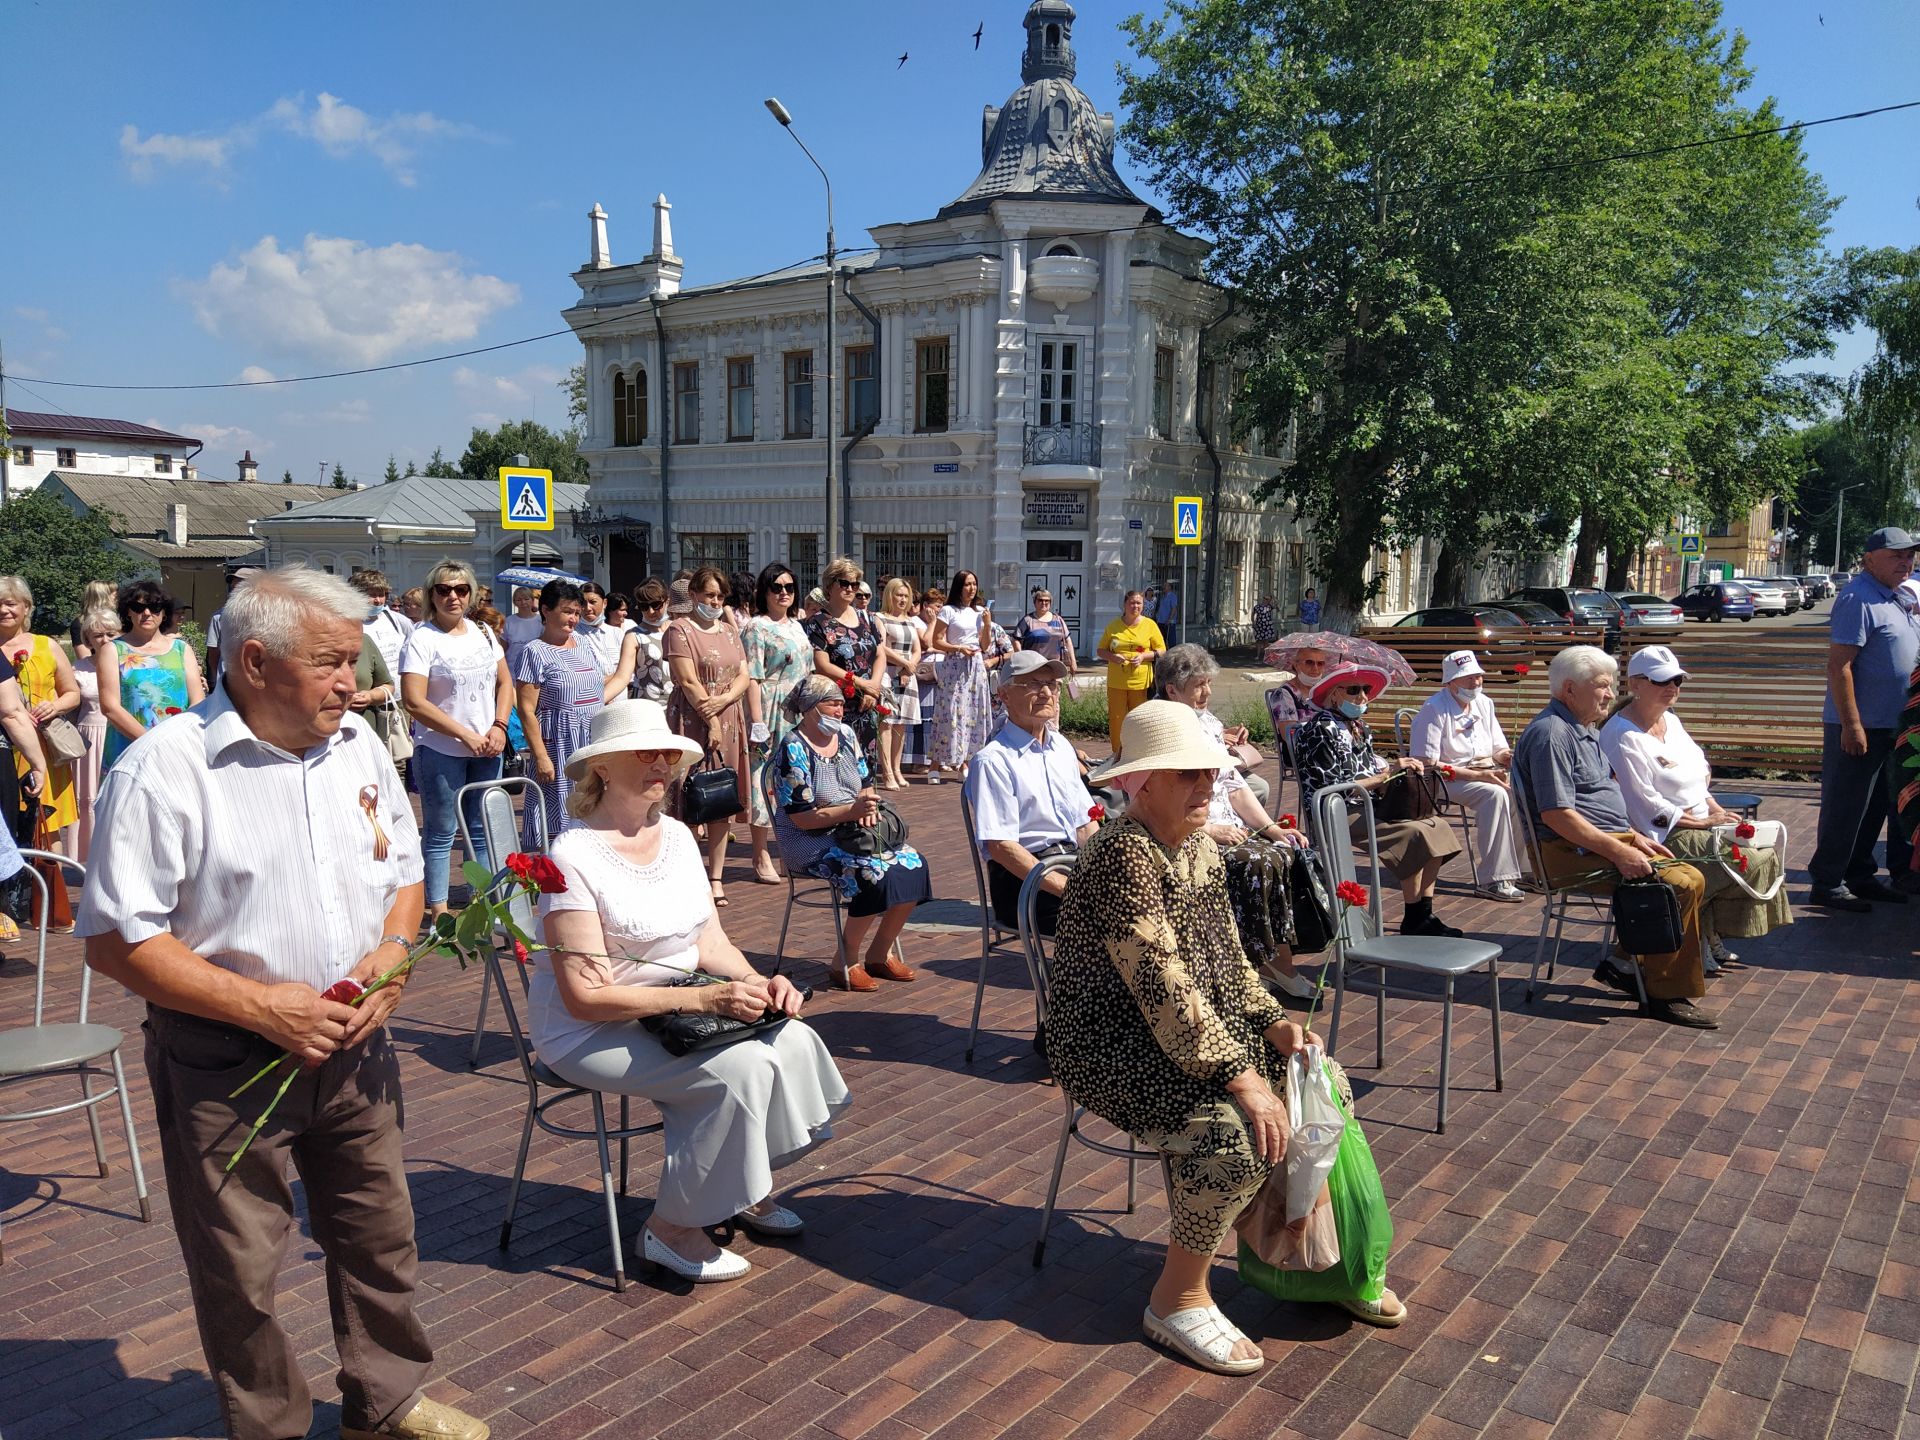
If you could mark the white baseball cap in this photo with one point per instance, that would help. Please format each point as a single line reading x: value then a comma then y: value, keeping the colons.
x: 1656, y: 663
x: 1460, y: 662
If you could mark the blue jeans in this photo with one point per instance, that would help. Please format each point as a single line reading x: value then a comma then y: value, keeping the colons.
x: 439, y: 778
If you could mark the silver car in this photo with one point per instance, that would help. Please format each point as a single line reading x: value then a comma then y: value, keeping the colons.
x: 1649, y: 612
x: 1769, y: 595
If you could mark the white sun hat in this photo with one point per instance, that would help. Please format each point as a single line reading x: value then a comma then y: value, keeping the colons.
x: 631, y: 725
x: 1460, y: 662
x: 1163, y: 735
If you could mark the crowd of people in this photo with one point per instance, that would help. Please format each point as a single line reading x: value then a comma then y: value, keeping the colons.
x: 648, y: 729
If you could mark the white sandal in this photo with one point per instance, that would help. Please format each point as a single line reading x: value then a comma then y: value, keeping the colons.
x: 1376, y: 1312
x: 1202, y: 1335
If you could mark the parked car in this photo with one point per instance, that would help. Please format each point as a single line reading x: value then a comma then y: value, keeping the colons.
x: 1535, y: 614
x: 1578, y: 605
x: 1819, y: 587
x: 1769, y: 596
x: 1796, y: 592
x: 1649, y: 612
x: 1716, y: 600
x: 1484, y: 618
x: 1506, y: 644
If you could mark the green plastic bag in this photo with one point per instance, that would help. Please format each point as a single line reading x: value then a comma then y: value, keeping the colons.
x: 1365, y: 1227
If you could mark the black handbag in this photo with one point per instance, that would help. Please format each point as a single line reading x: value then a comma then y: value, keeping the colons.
x: 681, y: 1033
x: 1646, y: 913
x: 710, y: 794
x: 1407, y: 796
x: 887, y: 833
x: 1313, y: 926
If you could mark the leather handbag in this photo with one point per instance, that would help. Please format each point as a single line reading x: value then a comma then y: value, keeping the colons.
x: 1407, y: 796
x: 683, y: 1033
x: 887, y: 833
x: 1646, y: 912
x: 399, y: 732
x: 1312, y: 914
x: 62, y: 742
x: 710, y: 793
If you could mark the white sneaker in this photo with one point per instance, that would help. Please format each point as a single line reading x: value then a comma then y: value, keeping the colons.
x: 724, y: 1266
x: 1296, y: 984
x: 1504, y: 891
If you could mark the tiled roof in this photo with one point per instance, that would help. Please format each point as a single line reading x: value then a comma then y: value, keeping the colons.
x: 216, y: 510
x: 36, y: 423
x: 423, y: 501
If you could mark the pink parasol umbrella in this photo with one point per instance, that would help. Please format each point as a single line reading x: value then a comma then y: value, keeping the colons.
x: 1341, y: 647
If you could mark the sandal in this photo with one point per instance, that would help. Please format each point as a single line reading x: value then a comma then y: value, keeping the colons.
x: 1202, y: 1336
x: 1386, y: 1312
x: 719, y: 894
x: 890, y: 967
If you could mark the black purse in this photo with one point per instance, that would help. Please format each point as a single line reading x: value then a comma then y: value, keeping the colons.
x: 1313, y: 927
x: 1646, y: 912
x: 680, y: 1033
x: 710, y: 794
x: 887, y: 833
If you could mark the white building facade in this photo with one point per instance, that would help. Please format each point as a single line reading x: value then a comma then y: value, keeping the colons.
x: 39, y: 443
x: 1022, y: 388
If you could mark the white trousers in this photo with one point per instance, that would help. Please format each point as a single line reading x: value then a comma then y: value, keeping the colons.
x: 1493, y: 834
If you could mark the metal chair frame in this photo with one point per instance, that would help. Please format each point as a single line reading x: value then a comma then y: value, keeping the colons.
x: 1033, y: 946
x: 1357, y: 928
x: 807, y: 898
x: 1559, y: 898
x: 993, y: 934
x: 1460, y: 813
x: 86, y: 1044
x: 500, y: 833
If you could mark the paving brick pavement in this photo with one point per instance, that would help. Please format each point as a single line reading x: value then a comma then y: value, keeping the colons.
x: 1650, y: 1232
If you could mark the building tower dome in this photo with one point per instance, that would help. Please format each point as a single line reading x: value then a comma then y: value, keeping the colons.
x: 1047, y: 142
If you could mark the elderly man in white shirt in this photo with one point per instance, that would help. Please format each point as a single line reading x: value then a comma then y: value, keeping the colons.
x: 1458, y: 726
x: 1028, y: 797
x: 248, y: 855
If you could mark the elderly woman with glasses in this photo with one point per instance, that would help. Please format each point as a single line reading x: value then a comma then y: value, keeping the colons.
x: 155, y: 674
x: 1291, y: 701
x: 1332, y: 746
x: 832, y: 823
x: 1157, y: 1024
x: 455, y: 684
x: 1664, y: 778
x: 634, y: 936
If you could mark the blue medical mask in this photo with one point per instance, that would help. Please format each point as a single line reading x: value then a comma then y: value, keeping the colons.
x: 1352, y: 709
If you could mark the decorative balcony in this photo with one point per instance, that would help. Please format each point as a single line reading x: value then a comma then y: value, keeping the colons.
x: 1062, y: 279
x: 1077, y: 444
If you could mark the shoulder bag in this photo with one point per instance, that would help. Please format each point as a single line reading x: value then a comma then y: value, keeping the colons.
x: 62, y: 741
x: 1646, y: 913
x: 399, y: 731
x: 710, y: 793
x: 1312, y: 912
x: 681, y: 1033
x: 888, y: 831
x: 1407, y: 796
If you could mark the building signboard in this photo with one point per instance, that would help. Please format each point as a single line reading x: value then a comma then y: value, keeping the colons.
x: 1054, y: 509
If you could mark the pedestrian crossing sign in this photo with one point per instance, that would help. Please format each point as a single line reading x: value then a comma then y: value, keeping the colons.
x: 1689, y: 544
x: 1186, y: 519
x: 526, y: 498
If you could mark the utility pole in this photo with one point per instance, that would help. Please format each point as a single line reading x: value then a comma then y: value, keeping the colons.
x: 6, y: 444
x: 1839, y: 519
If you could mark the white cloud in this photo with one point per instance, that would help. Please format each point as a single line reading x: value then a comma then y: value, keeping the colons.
x: 347, y: 412
x: 344, y: 300
x: 254, y: 375
x: 32, y: 313
x: 340, y: 129
x: 534, y: 384
x: 218, y: 437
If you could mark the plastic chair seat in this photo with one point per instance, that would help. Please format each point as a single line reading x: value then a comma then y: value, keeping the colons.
x: 1429, y: 954
x: 30, y: 1050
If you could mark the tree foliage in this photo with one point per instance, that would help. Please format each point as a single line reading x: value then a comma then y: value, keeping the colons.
x: 339, y: 479
x: 392, y: 476
x: 1883, y: 398
x: 441, y: 468
x: 57, y: 552
x: 1476, y: 335
x: 488, y: 450
x: 575, y: 386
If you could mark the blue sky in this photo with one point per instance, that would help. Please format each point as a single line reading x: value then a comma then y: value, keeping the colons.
x: 217, y: 192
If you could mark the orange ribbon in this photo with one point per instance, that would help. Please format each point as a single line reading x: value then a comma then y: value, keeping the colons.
x: 370, y: 802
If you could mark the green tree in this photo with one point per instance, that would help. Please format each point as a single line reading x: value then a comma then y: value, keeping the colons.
x: 1471, y: 338
x: 393, y: 472
x: 286, y: 477
x: 488, y: 450
x: 57, y: 552
x: 412, y: 469
x: 340, y: 481
x: 575, y: 386
x: 441, y: 468
x: 1883, y: 398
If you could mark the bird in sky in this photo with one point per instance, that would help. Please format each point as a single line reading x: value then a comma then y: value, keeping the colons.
x: 903, y: 59
x: 978, y: 33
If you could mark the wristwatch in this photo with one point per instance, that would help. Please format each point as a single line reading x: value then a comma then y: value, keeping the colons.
x: 401, y: 940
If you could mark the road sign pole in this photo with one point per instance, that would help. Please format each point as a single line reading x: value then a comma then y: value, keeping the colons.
x: 1180, y: 614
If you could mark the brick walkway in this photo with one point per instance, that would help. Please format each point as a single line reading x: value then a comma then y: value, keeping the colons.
x: 1651, y: 1232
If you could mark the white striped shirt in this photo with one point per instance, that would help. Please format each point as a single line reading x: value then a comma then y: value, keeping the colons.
x: 258, y: 860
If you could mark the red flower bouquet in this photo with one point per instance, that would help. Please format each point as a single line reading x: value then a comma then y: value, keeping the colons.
x: 1351, y: 892
x: 1744, y: 830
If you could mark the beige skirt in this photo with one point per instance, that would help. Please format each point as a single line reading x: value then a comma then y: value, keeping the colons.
x: 1408, y: 845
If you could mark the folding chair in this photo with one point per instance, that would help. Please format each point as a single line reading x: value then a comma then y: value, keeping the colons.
x: 33, y: 1052
x: 1559, y: 898
x: 1360, y: 939
x: 502, y: 837
x: 536, y: 1075
x: 992, y: 933
x: 1033, y: 946
x: 1450, y: 807
x: 812, y: 892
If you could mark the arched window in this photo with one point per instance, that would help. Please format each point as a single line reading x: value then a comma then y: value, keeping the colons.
x: 630, y: 408
x: 1053, y: 37
x: 1063, y: 249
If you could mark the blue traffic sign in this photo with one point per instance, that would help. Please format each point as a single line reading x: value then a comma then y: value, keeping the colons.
x: 1186, y: 519
x: 526, y: 498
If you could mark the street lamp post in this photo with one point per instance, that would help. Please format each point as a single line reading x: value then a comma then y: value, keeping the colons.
x: 838, y: 522
x: 1839, y: 518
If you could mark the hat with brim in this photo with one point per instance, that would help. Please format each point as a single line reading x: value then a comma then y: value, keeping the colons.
x: 1348, y: 673
x: 1023, y: 663
x: 628, y: 725
x: 1163, y: 735
x: 1656, y: 663
x: 1890, y: 537
x: 1459, y: 664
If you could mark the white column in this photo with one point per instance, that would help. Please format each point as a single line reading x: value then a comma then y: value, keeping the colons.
x: 897, y: 406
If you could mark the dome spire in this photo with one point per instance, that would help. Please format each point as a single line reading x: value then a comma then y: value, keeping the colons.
x: 1049, y: 42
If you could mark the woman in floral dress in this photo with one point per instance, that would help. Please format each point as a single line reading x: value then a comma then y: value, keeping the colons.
x: 963, y: 715
x: 156, y: 674
x: 779, y: 656
x: 846, y: 642
x: 902, y: 636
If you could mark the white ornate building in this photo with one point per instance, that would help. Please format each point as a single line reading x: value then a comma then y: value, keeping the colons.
x: 1025, y: 389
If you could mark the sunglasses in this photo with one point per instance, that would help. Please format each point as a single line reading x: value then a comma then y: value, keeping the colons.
x: 784, y: 587
x: 1354, y: 690
x: 843, y: 584
x: 141, y: 607
x: 655, y: 605
x: 443, y: 591
x: 1194, y: 777
x: 656, y: 757
x: 1677, y: 681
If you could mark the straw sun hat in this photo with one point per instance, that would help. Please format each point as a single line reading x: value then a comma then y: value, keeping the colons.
x: 631, y: 725
x: 1163, y: 735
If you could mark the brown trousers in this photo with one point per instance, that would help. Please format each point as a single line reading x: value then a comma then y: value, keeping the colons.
x: 1678, y: 976
x: 341, y: 1126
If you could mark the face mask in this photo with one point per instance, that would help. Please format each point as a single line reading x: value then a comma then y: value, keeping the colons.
x: 646, y: 624
x: 1352, y: 709
x: 710, y: 612
x: 1464, y: 693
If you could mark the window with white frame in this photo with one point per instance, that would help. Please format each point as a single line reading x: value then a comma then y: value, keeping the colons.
x: 863, y: 388
x: 1166, y: 563
x: 797, y: 366
x: 1058, y: 400
x: 803, y: 558
x: 629, y: 409
x: 162, y: 463
x: 23, y: 454
x: 1266, y: 570
x: 725, y: 548
x: 1163, y: 391
x: 68, y: 459
x: 1233, y: 581
x: 686, y: 402
x: 921, y: 560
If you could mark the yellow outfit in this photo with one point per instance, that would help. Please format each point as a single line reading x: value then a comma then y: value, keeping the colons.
x: 1127, y: 685
x: 39, y: 681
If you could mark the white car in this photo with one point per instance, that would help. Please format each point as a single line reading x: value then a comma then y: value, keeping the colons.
x: 1649, y: 612
x: 1769, y: 595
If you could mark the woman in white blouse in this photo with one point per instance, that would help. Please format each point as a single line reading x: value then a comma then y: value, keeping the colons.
x: 634, y: 935
x: 1664, y: 778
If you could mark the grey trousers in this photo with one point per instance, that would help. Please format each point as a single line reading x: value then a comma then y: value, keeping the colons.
x: 1855, y: 802
x: 340, y: 1124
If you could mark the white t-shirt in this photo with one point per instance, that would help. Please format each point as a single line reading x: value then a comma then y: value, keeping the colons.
x: 462, y: 670
x: 389, y: 629
x: 520, y: 630
x: 963, y: 624
x: 652, y: 916
x: 604, y: 641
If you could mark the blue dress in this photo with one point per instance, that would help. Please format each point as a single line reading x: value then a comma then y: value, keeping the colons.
x: 572, y: 685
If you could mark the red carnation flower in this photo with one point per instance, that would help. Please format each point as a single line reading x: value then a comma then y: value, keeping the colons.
x: 1351, y: 892
x: 1096, y: 812
x: 1287, y: 822
x: 1740, y: 859
x: 520, y: 953
x: 1446, y: 772
x: 344, y: 992
x: 1744, y: 830
x: 1522, y: 669
x: 847, y: 687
